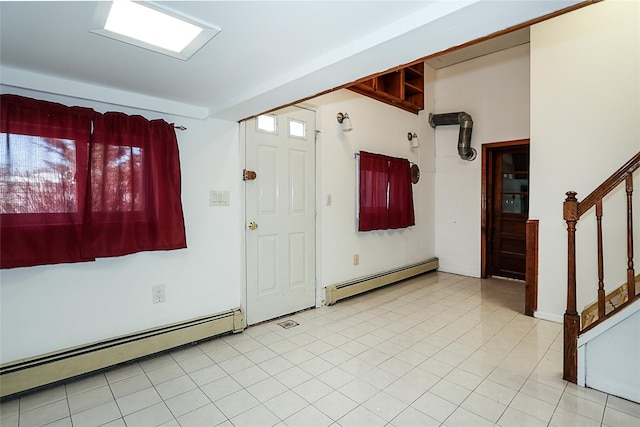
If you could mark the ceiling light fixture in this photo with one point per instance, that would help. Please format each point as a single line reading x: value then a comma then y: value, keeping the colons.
x: 146, y: 25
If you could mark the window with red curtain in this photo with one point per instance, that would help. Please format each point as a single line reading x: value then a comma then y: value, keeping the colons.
x: 69, y: 194
x: 385, y: 193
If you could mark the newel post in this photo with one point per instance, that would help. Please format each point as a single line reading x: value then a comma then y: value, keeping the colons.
x: 571, y: 318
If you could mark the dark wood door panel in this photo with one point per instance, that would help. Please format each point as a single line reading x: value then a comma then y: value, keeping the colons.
x: 507, y: 211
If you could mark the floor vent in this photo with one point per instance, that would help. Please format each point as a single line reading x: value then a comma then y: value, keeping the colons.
x: 26, y: 374
x: 288, y: 324
x: 364, y: 284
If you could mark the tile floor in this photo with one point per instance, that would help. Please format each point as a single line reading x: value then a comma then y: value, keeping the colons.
x: 437, y: 350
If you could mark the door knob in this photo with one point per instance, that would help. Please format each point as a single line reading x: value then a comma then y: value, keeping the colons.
x: 253, y: 225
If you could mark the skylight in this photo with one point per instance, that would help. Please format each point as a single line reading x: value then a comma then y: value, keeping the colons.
x: 146, y: 25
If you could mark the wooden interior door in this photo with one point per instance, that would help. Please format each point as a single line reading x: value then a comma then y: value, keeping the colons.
x: 507, y: 211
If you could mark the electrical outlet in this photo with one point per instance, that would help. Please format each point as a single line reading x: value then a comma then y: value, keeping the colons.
x: 158, y: 294
x: 356, y: 259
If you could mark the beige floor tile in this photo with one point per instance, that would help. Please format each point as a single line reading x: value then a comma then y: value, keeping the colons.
x: 207, y: 375
x: 123, y: 372
x: 385, y: 406
x: 359, y: 391
x: 218, y: 389
x: 362, y: 417
x: 165, y: 373
x: 533, y: 407
x: 42, y: 397
x: 44, y: 414
x: 623, y: 405
x: 258, y: 416
x: 484, y: 407
x: 313, y: 390
x: 411, y: 417
x: 187, y: 402
x: 129, y: 385
x: 266, y: 389
x: 153, y: 415
x: 335, y: 405
x: 309, y: 417
x: 89, y: 399
x: 454, y: 393
x: 613, y: 417
x: 236, y: 403
x: 434, y: 406
x: 175, y: 387
x: 286, y: 404
x: 562, y: 418
x: 139, y: 400
x: 207, y: 415
x: 585, y: 407
x: 463, y: 418
x: 97, y: 415
x: 86, y: 384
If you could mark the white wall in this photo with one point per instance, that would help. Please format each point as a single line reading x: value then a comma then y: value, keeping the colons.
x: 47, y: 308
x: 608, y: 357
x: 494, y: 90
x: 377, y: 128
x: 585, y: 105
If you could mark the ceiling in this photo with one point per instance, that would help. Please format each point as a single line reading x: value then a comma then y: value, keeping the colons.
x: 268, y: 54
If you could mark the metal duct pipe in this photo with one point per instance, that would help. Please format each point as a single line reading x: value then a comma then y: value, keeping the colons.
x: 465, y: 151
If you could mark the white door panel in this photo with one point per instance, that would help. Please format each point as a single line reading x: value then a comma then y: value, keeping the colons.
x: 281, y: 249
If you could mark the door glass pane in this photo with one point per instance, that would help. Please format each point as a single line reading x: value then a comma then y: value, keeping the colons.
x: 515, y: 183
x: 297, y: 128
x: 267, y: 123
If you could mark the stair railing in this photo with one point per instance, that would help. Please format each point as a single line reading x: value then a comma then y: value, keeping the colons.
x: 573, y: 210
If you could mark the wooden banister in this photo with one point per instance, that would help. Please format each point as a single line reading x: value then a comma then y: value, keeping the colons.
x: 609, y: 184
x: 573, y: 210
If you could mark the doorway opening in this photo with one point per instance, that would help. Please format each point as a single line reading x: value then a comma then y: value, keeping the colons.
x: 505, y: 210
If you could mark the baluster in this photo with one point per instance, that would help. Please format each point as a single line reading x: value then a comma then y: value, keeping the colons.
x: 571, y: 318
x: 601, y: 294
x: 631, y: 280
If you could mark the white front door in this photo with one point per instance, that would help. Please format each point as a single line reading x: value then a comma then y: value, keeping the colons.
x: 280, y: 214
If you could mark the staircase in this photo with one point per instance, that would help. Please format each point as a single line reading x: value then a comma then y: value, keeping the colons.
x: 613, y: 300
x: 608, y: 341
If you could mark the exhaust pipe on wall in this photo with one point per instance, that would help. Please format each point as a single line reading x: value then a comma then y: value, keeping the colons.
x: 465, y: 151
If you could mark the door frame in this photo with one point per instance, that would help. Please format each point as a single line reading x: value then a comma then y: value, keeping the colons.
x: 242, y: 139
x: 486, y: 195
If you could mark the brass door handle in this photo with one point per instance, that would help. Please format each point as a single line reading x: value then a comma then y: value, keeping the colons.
x: 253, y: 225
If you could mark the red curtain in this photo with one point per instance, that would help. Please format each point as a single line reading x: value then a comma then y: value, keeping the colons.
x: 68, y: 195
x: 43, y: 171
x: 133, y: 201
x: 374, y: 177
x: 401, y: 214
x: 385, y: 193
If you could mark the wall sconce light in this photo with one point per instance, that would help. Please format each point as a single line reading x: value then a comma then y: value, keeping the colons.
x: 345, y: 121
x: 413, y: 138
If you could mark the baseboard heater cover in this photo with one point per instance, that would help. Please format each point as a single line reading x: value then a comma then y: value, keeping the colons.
x: 26, y: 374
x: 364, y: 284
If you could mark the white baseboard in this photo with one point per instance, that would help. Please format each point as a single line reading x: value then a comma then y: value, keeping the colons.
x: 552, y: 317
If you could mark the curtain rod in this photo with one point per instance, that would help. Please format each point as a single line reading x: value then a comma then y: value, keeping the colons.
x: 355, y: 156
x: 180, y: 127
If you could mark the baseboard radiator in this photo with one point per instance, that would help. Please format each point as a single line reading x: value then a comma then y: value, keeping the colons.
x: 363, y: 284
x: 26, y: 374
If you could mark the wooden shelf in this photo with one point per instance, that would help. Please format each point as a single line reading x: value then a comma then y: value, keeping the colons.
x: 403, y: 88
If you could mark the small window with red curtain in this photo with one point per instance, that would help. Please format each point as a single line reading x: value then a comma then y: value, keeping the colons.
x: 385, y: 197
x: 76, y: 184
